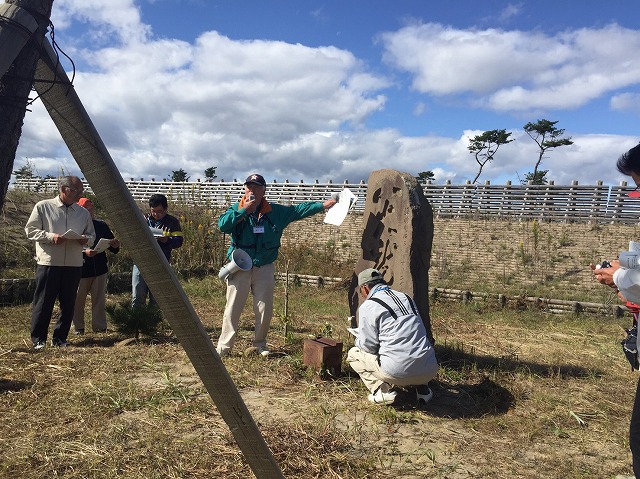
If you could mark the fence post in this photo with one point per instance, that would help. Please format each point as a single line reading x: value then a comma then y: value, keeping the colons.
x: 571, y: 201
x: 618, y: 203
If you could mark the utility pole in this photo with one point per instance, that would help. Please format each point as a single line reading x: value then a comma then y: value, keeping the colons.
x: 23, y: 26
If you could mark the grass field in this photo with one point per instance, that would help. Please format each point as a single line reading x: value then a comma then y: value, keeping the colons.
x: 520, y: 394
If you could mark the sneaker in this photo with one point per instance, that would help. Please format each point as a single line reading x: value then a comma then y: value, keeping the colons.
x: 79, y: 332
x: 381, y: 397
x: 424, y: 393
x: 59, y: 343
x: 39, y: 345
x: 264, y: 352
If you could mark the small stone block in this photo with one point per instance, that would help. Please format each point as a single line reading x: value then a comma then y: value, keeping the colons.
x: 323, y: 353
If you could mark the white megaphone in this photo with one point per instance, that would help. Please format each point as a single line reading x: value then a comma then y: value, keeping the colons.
x: 239, y: 260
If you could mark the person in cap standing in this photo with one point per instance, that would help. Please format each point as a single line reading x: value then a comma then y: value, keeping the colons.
x: 256, y: 226
x: 94, y: 276
x: 60, y: 228
x: 391, y: 345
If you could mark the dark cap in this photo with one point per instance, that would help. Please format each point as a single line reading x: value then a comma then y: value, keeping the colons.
x: 369, y: 275
x: 257, y: 179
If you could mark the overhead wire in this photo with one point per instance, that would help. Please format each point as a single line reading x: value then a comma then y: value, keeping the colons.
x: 17, y: 101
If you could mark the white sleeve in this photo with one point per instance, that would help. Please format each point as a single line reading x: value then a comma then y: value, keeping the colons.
x: 35, y: 228
x: 367, y: 337
x: 628, y: 283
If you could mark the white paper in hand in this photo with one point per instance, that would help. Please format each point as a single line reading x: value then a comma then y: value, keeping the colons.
x: 337, y: 214
x: 157, y: 232
x: 102, y: 245
x: 72, y: 235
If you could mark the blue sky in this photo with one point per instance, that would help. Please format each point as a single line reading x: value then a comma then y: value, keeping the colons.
x: 306, y: 90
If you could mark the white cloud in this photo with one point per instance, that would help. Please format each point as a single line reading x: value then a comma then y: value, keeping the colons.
x: 106, y: 17
x: 219, y: 102
x: 516, y: 70
x: 297, y: 112
x: 626, y: 102
x: 510, y: 11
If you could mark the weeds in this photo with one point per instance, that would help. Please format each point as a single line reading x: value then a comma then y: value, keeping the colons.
x: 135, y: 320
x: 509, y: 382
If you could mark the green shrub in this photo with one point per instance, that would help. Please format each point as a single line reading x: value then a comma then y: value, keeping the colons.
x: 135, y: 320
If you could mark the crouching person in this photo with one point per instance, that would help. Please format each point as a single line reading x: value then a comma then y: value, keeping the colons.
x: 391, y: 346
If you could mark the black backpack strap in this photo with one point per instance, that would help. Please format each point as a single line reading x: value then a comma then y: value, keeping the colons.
x: 413, y: 305
x: 392, y: 311
x: 388, y: 308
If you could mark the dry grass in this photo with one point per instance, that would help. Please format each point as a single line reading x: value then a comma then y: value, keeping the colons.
x: 520, y: 394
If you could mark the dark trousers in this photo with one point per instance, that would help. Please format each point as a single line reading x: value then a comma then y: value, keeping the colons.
x: 634, y: 433
x: 54, y: 282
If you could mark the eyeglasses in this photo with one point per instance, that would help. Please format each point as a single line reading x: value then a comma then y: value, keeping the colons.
x: 635, y: 193
x: 75, y: 190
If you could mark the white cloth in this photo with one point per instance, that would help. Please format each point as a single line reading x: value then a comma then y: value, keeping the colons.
x: 51, y: 217
x: 628, y: 283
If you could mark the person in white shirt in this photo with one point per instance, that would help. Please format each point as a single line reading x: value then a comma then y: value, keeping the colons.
x: 391, y: 346
x: 58, y: 258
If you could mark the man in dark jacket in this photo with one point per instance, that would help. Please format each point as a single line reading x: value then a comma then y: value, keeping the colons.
x: 94, y: 275
x: 168, y: 233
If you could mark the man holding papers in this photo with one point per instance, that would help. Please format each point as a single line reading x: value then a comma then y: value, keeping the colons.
x: 59, y: 259
x: 94, y: 274
x: 167, y: 231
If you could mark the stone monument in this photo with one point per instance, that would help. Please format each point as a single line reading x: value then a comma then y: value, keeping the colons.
x: 397, y: 238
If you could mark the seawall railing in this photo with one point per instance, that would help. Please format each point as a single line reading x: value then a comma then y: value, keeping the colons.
x: 568, y: 203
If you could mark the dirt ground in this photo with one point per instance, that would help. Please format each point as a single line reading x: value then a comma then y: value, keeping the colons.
x: 519, y: 394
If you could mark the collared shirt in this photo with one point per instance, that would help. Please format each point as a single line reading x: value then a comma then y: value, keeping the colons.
x: 262, y: 243
x: 51, y: 217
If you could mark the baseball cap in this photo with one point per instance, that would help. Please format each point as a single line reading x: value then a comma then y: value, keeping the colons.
x: 83, y: 202
x: 257, y: 179
x: 369, y: 275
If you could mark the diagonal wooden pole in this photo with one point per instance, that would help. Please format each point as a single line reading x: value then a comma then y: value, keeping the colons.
x: 98, y: 168
x: 17, y: 26
x: 23, y: 25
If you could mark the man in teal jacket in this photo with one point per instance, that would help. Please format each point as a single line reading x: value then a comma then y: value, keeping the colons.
x: 256, y: 226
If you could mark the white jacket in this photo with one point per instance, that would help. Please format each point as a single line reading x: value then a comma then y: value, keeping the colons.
x: 628, y: 283
x: 53, y: 216
x: 391, y: 328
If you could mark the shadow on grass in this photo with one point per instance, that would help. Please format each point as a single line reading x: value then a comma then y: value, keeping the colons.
x: 465, y: 388
x: 108, y: 341
x: 8, y: 385
x: 467, y: 398
x: 458, y: 401
x: 458, y: 359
